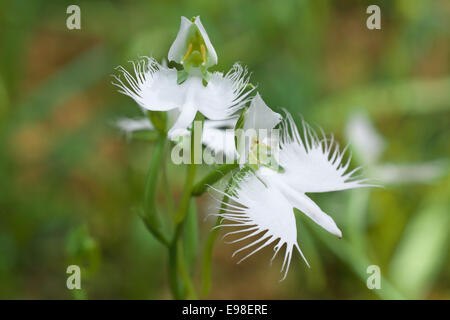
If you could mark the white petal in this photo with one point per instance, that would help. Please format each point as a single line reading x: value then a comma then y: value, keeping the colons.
x: 299, y: 200
x: 312, y: 164
x: 259, y: 120
x: 260, y: 116
x: 180, y: 45
x: 192, y: 88
x: 211, y: 53
x: 365, y: 140
x: 312, y: 210
x: 265, y: 212
x: 224, y: 95
x: 219, y: 137
x: 184, y: 121
x: 153, y: 87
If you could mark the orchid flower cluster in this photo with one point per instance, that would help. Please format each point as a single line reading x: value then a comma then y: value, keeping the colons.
x: 273, y: 163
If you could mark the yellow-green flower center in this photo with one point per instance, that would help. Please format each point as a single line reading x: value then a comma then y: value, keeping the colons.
x: 196, y: 51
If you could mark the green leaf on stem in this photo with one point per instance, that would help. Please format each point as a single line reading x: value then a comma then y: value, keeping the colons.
x: 159, y: 120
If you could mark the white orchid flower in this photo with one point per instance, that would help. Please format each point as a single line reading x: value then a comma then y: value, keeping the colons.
x: 369, y: 146
x: 192, y: 44
x: 154, y: 87
x: 160, y: 88
x: 264, y: 201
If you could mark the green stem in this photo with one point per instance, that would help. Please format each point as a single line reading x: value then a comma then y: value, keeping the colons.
x: 173, y: 270
x: 186, y: 195
x: 183, y: 206
x: 207, y: 259
x: 189, y: 285
x: 168, y: 197
x: 209, y: 246
x: 212, y: 178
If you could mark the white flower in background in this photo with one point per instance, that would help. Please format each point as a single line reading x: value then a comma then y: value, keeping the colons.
x: 365, y: 140
x: 409, y: 173
x: 130, y: 125
x: 159, y: 88
x: 264, y: 200
x: 368, y: 146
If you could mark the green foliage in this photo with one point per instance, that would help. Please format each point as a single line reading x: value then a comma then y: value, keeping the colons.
x: 71, y: 185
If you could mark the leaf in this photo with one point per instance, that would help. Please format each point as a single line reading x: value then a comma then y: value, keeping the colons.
x: 182, y: 75
x: 83, y: 250
x: 316, y: 277
x: 159, y: 120
x: 421, y: 252
x: 353, y: 258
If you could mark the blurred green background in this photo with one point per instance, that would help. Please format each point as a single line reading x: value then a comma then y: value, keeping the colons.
x: 70, y: 181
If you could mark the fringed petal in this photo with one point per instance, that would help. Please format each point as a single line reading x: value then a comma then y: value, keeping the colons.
x: 224, y: 95
x: 314, y: 164
x: 266, y: 214
x: 153, y: 86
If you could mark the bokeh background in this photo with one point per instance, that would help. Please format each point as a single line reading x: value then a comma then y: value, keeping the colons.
x: 70, y: 181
